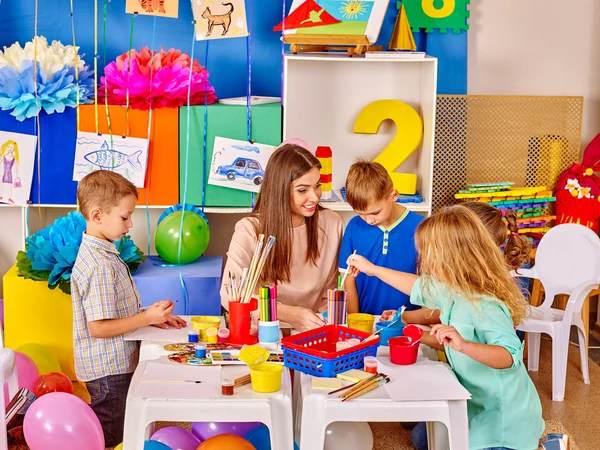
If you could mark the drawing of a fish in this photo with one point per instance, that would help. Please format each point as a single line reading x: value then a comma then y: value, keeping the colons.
x: 111, y: 159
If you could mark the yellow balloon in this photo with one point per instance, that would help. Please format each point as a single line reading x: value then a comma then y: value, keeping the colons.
x: 43, y: 358
x: 119, y: 447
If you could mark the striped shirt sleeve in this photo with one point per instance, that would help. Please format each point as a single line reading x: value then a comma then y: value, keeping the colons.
x: 99, y: 303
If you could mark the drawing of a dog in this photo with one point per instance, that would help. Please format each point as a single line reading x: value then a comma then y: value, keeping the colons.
x: 220, y: 19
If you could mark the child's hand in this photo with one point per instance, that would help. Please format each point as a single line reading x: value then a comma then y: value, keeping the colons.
x: 361, y: 264
x: 449, y: 336
x: 388, y: 315
x: 159, y: 312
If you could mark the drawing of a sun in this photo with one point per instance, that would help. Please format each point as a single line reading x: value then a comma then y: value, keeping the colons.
x: 351, y: 9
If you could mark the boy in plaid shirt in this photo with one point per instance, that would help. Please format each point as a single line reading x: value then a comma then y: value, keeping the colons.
x: 106, y: 304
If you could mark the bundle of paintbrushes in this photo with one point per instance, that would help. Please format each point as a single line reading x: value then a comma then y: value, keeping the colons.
x: 362, y: 387
x: 241, y: 381
x: 337, y: 306
x: 267, y: 297
x: 241, y: 290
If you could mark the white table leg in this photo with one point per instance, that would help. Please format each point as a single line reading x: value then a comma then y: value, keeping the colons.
x: 282, y: 420
x: 458, y: 428
x: 136, y: 430
x: 312, y: 435
x: 437, y: 436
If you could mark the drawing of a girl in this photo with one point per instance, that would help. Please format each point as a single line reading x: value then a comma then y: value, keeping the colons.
x: 9, y: 159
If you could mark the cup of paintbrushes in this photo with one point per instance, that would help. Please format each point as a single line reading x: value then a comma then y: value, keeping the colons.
x: 239, y: 322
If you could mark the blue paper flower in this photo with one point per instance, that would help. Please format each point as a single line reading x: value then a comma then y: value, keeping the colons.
x: 52, y: 251
x: 17, y: 91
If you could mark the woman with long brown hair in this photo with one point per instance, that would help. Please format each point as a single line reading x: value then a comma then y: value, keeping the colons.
x: 303, y: 261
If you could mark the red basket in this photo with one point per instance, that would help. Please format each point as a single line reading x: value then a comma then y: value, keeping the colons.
x: 321, y: 342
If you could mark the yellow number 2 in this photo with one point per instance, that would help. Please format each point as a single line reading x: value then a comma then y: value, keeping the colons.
x: 409, y: 133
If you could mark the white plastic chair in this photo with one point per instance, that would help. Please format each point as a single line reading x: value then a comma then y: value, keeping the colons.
x: 8, y: 372
x: 567, y: 262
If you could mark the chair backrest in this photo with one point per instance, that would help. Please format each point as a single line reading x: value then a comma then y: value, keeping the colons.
x: 568, y: 256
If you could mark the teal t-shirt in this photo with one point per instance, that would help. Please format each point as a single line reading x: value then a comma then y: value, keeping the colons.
x: 505, y: 409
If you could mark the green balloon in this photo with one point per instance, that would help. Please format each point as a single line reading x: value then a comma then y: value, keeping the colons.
x: 196, y: 236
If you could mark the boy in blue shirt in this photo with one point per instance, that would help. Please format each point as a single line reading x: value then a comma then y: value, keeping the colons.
x: 383, y: 232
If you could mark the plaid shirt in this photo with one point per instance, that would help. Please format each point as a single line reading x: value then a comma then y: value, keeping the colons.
x: 102, y: 288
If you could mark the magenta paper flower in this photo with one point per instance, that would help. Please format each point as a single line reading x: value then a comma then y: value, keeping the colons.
x: 164, y: 83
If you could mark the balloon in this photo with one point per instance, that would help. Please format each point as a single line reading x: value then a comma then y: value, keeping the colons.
x: 44, y: 360
x: 119, y: 447
x: 27, y: 374
x: 52, y: 382
x: 205, y: 430
x: 296, y: 141
x: 155, y: 445
x: 226, y: 442
x: 58, y: 421
x: 259, y: 437
x: 196, y: 235
x: 348, y: 436
x: 176, y: 438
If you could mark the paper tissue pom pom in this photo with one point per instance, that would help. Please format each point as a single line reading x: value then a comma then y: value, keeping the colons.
x: 51, y: 252
x: 55, y: 78
x: 132, y: 71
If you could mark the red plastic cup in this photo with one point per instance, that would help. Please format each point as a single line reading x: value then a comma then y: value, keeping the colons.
x: 239, y: 322
x: 405, y: 349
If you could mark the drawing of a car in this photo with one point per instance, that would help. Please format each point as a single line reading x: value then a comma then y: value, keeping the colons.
x: 244, y: 168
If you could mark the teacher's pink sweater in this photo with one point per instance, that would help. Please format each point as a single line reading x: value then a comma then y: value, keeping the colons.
x: 309, y: 282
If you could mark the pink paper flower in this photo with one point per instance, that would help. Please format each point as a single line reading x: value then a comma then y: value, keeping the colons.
x: 160, y: 81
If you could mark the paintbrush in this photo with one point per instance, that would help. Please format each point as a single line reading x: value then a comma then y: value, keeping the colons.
x: 256, y: 274
x: 353, y: 385
x: 368, y: 388
x: 396, y: 318
x: 347, y: 270
x: 253, y: 264
x: 362, y: 385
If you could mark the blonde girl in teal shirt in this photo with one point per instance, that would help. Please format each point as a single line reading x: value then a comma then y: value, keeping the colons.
x: 463, y: 274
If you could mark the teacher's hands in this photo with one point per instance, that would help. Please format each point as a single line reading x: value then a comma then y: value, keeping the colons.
x: 303, y: 319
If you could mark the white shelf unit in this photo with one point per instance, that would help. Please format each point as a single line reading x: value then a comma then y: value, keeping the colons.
x: 323, y: 95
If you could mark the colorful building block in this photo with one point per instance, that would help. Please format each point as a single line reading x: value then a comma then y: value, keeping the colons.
x: 202, y: 279
x: 228, y: 121
x: 33, y: 313
x: 162, y: 185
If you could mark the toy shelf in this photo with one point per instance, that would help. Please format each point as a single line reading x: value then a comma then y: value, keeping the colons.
x: 324, y: 93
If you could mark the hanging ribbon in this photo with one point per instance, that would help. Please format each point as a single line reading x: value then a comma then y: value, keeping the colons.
x: 96, y: 65
x: 76, y: 60
x: 37, y: 118
x: 205, y: 141
x: 129, y: 74
x: 249, y: 85
x: 187, y: 153
x: 149, y: 135
x: 282, y: 48
x: 107, y: 110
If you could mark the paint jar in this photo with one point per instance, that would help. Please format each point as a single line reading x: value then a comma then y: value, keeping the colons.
x: 268, y: 332
x: 193, y: 335
x: 341, y: 345
x: 352, y: 342
x: 227, y: 387
x: 371, y: 364
x: 239, y: 322
x: 211, y: 335
x: 200, y: 351
x: 223, y: 335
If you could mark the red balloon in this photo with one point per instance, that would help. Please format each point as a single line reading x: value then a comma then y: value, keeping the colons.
x: 52, y: 382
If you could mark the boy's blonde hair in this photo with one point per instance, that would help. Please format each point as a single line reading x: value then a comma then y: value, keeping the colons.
x: 103, y: 189
x: 456, y: 249
x: 367, y: 182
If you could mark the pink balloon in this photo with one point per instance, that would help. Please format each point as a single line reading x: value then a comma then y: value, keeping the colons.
x: 58, y: 421
x: 27, y: 374
x: 297, y: 141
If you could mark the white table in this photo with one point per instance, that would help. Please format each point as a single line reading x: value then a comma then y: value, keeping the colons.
x: 316, y: 410
x: 166, y: 402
